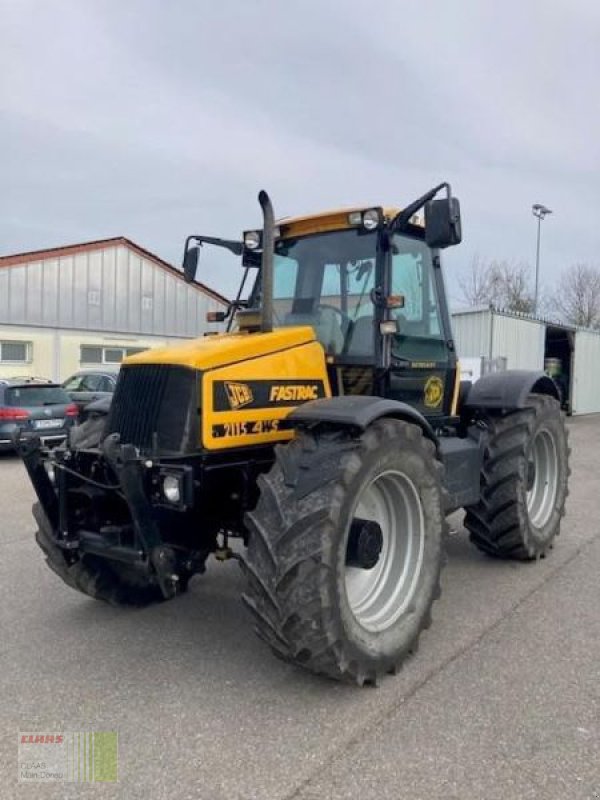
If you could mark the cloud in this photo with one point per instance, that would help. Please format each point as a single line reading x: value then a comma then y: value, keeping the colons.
x: 156, y: 120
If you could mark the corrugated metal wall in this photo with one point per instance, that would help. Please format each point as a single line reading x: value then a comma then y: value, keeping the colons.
x: 472, y: 333
x: 586, y: 373
x: 520, y: 341
x: 493, y: 334
x: 113, y: 289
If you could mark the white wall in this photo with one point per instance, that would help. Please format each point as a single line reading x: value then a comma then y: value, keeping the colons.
x: 472, y: 333
x: 493, y: 334
x: 112, y: 288
x: 520, y: 341
x: 55, y: 353
x: 586, y: 373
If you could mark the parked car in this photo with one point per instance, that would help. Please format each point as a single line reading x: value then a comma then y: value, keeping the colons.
x: 88, y: 385
x: 35, y: 405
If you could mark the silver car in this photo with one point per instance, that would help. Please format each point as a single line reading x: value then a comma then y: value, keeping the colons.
x: 88, y: 385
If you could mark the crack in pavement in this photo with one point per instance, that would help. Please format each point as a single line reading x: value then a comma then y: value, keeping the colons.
x: 371, y: 725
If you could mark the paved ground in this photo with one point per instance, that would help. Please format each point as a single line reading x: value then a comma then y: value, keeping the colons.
x: 502, y: 700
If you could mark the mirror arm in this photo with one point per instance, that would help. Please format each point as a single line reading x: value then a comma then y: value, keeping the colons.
x: 229, y: 244
x: 403, y: 218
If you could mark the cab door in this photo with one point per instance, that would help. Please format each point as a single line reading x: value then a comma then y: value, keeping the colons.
x: 421, y: 367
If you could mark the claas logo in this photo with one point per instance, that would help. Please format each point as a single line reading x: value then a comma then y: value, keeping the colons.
x: 238, y: 394
x: 42, y: 738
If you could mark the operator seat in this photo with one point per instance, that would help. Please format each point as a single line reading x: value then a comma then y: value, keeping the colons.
x: 360, y: 340
x: 324, y: 321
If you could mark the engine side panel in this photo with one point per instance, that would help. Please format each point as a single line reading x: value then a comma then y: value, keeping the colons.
x: 247, y: 403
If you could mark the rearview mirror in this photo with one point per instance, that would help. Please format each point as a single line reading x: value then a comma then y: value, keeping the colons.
x: 190, y: 263
x: 442, y: 222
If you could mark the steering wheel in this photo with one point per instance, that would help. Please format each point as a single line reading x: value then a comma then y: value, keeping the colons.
x: 344, y: 318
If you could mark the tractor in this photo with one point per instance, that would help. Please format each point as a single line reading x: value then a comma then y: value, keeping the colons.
x: 326, y: 430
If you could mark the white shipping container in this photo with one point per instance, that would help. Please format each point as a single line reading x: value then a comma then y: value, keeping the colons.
x: 493, y: 334
x: 586, y: 386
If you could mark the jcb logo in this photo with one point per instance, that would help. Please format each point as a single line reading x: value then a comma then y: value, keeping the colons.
x: 238, y: 394
x: 284, y: 394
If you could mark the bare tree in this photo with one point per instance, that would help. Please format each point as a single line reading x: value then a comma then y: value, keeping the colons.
x: 577, y: 299
x: 502, y: 284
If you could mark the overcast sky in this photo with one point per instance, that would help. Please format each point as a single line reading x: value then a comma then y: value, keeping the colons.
x: 154, y: 120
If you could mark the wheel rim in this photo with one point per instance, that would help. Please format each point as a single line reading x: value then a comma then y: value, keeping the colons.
x: 380, y: 595
x: 543, y: 478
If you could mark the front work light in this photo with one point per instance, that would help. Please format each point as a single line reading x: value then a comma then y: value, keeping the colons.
x: 370, y: 219
x: 172, y: 488
x: 388, y: 328
x: 252, y: 240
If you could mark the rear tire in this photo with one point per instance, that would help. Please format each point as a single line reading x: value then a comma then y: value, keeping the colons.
x: 309, y: 604
x: 523, y: 482
x: 110, y: 581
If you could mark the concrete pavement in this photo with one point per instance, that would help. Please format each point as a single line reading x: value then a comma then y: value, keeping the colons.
x: 502, y: 700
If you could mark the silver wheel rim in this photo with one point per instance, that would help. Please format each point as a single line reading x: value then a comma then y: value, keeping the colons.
x: 379, y: 596
x: 541, y: 496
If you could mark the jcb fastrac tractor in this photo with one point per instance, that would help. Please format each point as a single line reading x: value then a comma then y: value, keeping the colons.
x: 328, y: 429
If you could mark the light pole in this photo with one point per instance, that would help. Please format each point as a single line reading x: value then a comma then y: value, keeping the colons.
x: 539, y: 211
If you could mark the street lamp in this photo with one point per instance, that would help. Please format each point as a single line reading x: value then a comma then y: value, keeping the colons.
x: 539, y: 211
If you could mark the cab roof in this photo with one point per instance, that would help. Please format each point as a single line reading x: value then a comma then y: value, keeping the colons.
x: 334, y: 220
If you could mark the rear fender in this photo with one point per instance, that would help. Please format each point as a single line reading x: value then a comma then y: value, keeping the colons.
x: 509, y: 390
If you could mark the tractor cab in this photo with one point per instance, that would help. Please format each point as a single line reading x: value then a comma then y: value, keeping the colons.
x: 368, y: 282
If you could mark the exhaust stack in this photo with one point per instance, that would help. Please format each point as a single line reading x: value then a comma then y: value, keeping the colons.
x: 268, y: 247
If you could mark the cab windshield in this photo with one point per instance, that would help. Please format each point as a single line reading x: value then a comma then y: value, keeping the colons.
x: 325, y: 281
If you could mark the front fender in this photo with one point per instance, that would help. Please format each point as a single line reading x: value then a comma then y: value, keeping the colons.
x: 357, y: 411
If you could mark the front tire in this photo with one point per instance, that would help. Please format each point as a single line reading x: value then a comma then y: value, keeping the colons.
x: 524, y: 482
x: 345, y: 549
x: 109, y: 581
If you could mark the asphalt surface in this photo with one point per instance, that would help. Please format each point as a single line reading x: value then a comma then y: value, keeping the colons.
x: 501, y: 701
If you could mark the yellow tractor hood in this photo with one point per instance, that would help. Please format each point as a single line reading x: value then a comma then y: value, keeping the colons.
x: 210, y: 352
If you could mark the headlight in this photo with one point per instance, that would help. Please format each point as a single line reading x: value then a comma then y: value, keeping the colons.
x: 252, y: 240
x: 50, y: 472
x: 172, y: 488
x: 370, y: 219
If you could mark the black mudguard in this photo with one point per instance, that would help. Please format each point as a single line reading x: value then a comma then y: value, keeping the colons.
x: 509, y: 390
x: 357, y: 411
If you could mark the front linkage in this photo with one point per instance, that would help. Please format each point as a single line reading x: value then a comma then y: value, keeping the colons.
x: 123, y: 548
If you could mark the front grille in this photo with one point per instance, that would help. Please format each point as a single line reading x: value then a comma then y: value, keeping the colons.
x: 156, y: 405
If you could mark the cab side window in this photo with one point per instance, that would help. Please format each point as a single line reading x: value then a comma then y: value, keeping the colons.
x: 419, y: 334
x: 412, y: 279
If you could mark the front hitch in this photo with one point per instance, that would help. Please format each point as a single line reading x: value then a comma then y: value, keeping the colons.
x: 29, y: 448
x: 53, y: 512
x: 127, y: 465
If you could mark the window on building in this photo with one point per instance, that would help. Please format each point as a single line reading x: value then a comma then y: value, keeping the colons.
x: 91, y: 355
x: 98, y: 354
x: 15, y: 352
x: 113, y: 355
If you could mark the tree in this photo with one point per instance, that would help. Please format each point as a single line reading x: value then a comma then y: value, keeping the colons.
x: 577, y: 299
x: 502, y: 284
